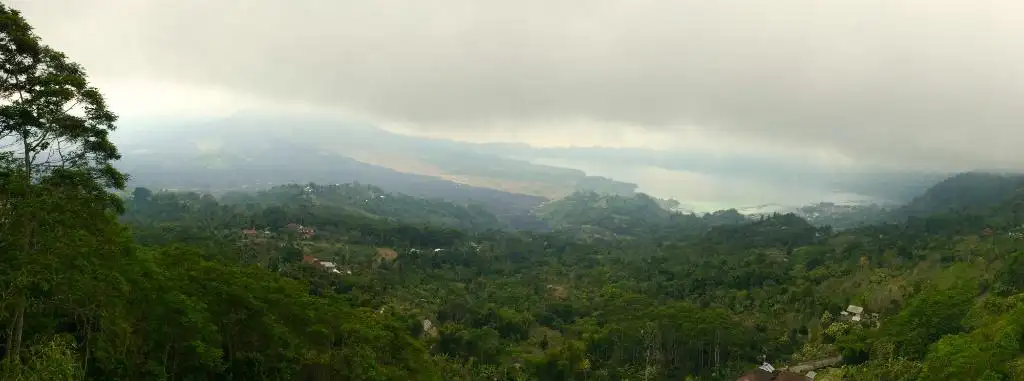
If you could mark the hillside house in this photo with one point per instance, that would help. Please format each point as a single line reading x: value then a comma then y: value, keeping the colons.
x: 325, y: 265
x: 854, y: 313
x: 330, y: 266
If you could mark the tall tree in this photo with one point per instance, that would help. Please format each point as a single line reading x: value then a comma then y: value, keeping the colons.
x: 54, y: 130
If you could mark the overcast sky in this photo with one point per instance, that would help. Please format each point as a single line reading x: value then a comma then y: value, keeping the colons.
x: 921, y: 84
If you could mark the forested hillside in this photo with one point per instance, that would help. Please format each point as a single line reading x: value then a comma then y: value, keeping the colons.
x: 969, y: 191
x: 591, y: 214
x: 304, y: 282
x: 842, y: 217
x: 374, y: 202
x: 550, y: 307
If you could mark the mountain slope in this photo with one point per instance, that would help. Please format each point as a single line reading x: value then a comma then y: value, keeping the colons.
x: 524, y: 297
x: 964, y: 192
x: 617, y: 214
x: 373, y: 202
x: 591, y: 214
x: 251, y: 135
x: 237, y: 165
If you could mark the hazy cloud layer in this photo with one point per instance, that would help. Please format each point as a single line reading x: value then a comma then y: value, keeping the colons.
x: 922, y: 83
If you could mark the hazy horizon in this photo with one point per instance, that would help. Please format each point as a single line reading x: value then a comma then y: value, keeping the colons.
x: 699, y: 183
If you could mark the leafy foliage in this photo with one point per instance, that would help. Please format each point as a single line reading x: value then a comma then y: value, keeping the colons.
x: 374, y: 202
x: 592, y: 214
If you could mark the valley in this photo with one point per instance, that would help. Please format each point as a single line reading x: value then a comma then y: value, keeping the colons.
x: 584, y: 298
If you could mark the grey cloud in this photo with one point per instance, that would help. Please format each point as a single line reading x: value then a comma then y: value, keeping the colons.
x: 928, y: 83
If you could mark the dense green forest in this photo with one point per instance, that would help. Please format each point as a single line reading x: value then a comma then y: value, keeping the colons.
x: 345, y: 282
x: 593, y: 215
x: 549, y: 306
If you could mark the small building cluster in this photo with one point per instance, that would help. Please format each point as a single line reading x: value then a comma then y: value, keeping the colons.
x: 854, y: 313
x: 325, y: 265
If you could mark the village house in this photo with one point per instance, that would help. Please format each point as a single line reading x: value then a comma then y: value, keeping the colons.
x: 330, y: 266
x: 325, y: 265
x: 853, y: 313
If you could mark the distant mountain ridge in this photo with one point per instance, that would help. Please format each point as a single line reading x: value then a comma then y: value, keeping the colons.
x: 234, y: 171
x: 231, y: 141
x: 594, y: 215
x: 510, y: 167
x: 969, y: 191
x: 966, y: 193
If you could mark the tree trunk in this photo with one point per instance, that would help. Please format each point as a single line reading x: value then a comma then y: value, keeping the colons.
x: 26, y: 240
x: 19, y: 326
x: 88, y: 348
